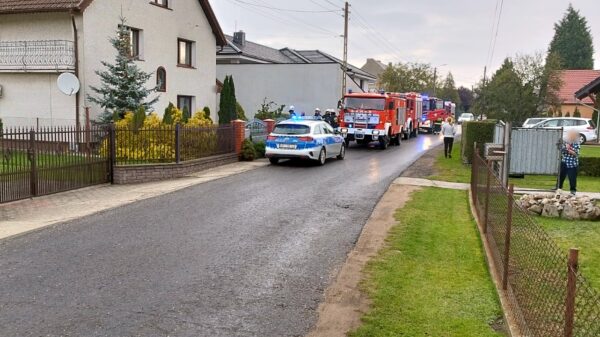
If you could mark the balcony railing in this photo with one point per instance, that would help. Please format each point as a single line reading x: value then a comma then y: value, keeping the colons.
x: 43, y: 55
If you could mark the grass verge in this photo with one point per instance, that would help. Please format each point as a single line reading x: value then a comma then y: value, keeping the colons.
x: 431, y: 279
x: 584, y: 235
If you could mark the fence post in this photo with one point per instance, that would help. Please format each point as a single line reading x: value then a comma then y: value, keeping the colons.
x: 475, y: 183
x: 486, y: 214
x: 112, y: 160
x: 33, y: 164
x: 509, y: 218
x: 572, y: 267
x: 177, y: 144
x: 238, y: 134
x: 269, y: 125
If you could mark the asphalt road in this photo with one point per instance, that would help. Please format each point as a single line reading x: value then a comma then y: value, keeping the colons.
x: 248, y: 255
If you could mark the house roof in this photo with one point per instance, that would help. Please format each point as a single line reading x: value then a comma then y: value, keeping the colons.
x: 267, y: 54
x: 591, y: 88
x: 38, y: 6
x: 573, y: 81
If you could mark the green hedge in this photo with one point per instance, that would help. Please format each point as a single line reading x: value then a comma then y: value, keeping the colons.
x: 480, y: 132
x: 589, y: 166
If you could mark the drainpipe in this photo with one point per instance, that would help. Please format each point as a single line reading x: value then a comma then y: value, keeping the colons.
x: 76, y: 47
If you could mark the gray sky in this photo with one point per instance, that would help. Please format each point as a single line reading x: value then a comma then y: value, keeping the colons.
x: 452, y: 32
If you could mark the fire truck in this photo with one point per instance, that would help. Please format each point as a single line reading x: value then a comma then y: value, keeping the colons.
x: 414, y: 111
x: 370, y: 117
x: 435, y: 111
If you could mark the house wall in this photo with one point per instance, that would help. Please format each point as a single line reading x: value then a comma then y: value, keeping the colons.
x: 32, y: 98
x: 304, y: 86
x: 161, y: 29
x: 585, y: 111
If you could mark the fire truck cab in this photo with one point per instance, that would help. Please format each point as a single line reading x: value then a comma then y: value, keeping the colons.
x: 435, y: 111
x: 414, y: 111
x: 370, y: 117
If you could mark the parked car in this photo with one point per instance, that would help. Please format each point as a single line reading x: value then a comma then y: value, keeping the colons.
x: 531, y: 122
x: 584, y: 126
x: 465, y: 117
x: 304, y: 139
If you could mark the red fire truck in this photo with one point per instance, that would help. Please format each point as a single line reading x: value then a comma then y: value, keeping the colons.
x: 369, y: 117
x: 435, y: 111
x: 414, y: 111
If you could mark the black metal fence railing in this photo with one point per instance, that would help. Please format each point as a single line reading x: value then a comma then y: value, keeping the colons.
x: 52, y: 55
x: 170, y: 144
x: 50, y: 160
x: 547, y: 295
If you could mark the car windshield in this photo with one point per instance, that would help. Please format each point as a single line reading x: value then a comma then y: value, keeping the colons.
x: 291, y: 129
x: 533, y: 121
x: 355, y: 103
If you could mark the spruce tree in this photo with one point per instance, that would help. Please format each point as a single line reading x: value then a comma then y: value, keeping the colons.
x: 232, y: 102
x: 122, y: 87
x: 572, y: 41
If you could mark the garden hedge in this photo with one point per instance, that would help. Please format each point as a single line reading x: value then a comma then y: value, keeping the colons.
x: 480, y: 132
x: 589, y: 166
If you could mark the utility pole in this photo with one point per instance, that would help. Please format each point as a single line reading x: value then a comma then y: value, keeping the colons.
x: 483, y: 90
x: 434, y: 80
x: 345, y: 65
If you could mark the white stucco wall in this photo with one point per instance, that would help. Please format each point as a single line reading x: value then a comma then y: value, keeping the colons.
x: 305, y: 86
x: 161, y: 29
x: 29, y: 98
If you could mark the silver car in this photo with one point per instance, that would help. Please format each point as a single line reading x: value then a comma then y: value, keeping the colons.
x: 584, y: 126
x: 531, y: 122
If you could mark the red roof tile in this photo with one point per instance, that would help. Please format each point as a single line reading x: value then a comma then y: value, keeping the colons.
x: 573, y: 80
x: 29, y: 6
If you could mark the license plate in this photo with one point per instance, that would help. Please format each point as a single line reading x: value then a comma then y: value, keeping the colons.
x: 287, y: 146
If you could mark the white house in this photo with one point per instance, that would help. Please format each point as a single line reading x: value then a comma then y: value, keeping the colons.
x: 39, y: 39
x: 305, y: 79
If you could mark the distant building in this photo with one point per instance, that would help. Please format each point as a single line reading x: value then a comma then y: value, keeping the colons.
x: 305, y: 79
x: 376, y: 68
x: 39, y: 39
x: 574, y: 80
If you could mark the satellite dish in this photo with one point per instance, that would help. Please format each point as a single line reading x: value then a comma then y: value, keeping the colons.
x: 68, y: 83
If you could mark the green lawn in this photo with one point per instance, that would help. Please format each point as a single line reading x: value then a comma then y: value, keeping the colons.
x: 455, y: 171
x: 590, y: 151
x: 18, y: 161
x: 431, y: 279
x: 584, y: 235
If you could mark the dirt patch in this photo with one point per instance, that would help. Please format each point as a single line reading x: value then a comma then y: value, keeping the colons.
x: 345, y: 303
x: 425, y: 166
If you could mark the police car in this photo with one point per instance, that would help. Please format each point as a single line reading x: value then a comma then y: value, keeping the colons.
x: 304, y: 138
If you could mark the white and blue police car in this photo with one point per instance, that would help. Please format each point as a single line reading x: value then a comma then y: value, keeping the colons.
x: 304, y: 138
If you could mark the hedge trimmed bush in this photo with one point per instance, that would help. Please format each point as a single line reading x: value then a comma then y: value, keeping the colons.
x: 260, y: 149
x: 589, y: 166
x: 479, y: 132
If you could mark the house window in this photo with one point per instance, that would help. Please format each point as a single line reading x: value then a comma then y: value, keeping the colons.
x: 185, y: 51
x: 161, y: 79
x: 135, y: 43
x: 161, y: 3
x: 185, y: 104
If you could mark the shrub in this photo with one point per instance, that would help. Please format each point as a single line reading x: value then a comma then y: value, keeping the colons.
x: 248, y: 151
x: 240, y: 113
x: 206, y: 111
x: 479, y: 132
x: 260, y: 149
x: 568, y: 114
x: 168, y: 116
x: 577, y: 113
x: 589, y: 166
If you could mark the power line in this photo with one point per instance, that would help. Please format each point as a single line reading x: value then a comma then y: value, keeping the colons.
x: 286, y: 9
x: 497, y: 30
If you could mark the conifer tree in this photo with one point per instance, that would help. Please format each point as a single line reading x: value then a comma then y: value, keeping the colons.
x: 572, y: 41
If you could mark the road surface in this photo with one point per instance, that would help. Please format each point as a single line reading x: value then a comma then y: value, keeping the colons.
x: 247, y: 255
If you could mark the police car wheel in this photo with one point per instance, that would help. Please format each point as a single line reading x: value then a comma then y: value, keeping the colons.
x: 322, y: 157
x: 342, y: 154
x: 274, y: 161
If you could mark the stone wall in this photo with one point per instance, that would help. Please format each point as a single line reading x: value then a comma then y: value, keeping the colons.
x: 133, y: 174
x: 561, y: 205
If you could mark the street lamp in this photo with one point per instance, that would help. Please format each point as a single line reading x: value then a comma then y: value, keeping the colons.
x: 435, y: 77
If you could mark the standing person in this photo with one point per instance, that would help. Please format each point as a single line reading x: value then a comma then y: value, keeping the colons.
x: 317, y: 112
x: 292, y: 111
x: 448, y: 131
x: 570, y: 161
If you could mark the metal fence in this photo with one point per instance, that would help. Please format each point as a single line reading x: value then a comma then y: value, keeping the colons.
x: 170, y: 144
x: 256, y: 130
x: 50, y: 160
x: 546, y: 293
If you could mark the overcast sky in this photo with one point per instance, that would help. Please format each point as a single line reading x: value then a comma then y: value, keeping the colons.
x: 452, y: 32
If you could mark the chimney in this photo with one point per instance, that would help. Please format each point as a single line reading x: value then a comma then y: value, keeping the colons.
x: 239, y: 38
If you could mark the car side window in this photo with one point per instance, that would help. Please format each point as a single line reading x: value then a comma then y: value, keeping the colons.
x: 326, y: 129
x: 551, y: 123
x: 318, y: 130
x: 569, y: 122
x: 580, y: 122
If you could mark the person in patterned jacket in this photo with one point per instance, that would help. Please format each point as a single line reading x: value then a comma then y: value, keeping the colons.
x: 570, y: 161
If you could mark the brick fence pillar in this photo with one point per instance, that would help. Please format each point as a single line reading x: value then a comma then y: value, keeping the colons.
x: 239, y: 134
x: 270, y: 124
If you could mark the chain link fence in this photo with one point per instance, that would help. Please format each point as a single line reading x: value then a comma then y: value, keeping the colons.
x: 546, y: 294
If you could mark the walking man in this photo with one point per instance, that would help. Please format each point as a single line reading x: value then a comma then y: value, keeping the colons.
x: 448, y: 131
x: 570, y: 161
